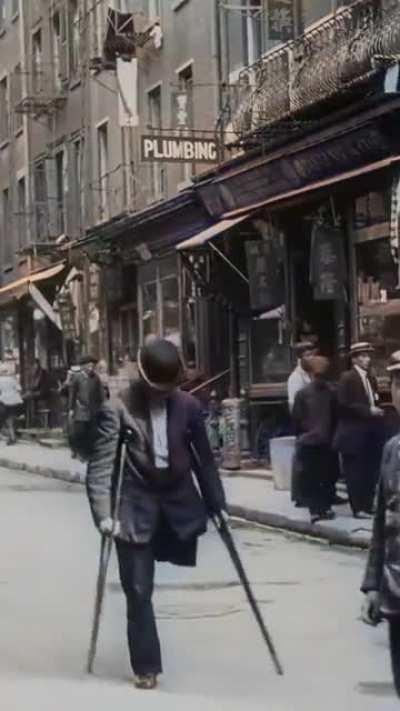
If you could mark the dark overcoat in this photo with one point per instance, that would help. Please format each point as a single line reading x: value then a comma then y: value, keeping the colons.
x: 355, y: 420
x: 85, y: 396
x: 383, y: 566
x: 168, y: 510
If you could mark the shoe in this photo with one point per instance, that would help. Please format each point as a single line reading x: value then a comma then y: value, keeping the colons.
x: 300, y: 505
x: 362, y: 515
x: 11, y: 441
x: 327, y: 515
x: 323, y: 516
x: 145, y: 681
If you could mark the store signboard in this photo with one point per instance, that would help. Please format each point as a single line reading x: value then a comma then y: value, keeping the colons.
x: 327, y: 263
x: 178, y: 149
x: 266, y: 281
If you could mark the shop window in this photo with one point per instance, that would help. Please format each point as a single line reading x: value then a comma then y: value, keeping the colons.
x: 150, y: 313
x: 372, y: 208
x: 270, y: 353
x: 160, y: 302
x: 378, y: 300
x: 170, y: 309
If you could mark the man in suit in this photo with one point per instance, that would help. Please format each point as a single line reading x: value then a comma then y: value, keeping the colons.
x: 381, y: 583
x: 162, y: 513
x: 85, y: 397
x: 314, y: 415
x: 358, y: 436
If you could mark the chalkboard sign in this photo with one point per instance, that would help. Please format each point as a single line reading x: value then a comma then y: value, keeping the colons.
x: 327, y: 263
x: 266, y: 278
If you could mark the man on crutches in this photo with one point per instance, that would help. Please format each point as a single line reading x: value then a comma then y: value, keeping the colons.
x: 150, y: 504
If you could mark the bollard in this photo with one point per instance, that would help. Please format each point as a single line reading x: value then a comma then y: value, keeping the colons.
x: 231, y: 409
x: 212, y: 423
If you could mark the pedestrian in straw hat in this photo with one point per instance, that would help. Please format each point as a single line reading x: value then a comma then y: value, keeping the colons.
x: 162, y: 512
x: 381, y: 583
x: 358, y: 436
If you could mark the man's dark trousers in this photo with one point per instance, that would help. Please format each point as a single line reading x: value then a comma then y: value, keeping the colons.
x: 136, y: 570
x: 394, y: 639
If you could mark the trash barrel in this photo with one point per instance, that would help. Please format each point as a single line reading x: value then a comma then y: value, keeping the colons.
x: 282, y: 453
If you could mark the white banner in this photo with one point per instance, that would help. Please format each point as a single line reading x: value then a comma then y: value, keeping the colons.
x: 127, y: 80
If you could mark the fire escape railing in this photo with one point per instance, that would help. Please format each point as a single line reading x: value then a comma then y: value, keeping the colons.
x: 340, y: 52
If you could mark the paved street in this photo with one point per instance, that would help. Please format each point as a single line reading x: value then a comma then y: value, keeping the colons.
x: 213, y: 657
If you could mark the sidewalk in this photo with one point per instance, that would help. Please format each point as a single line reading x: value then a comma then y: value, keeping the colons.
x: 253, y: 499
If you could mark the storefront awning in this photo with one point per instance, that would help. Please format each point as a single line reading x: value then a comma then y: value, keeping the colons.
x: 204, y: 236
x: 312, y: 187
x: 20, y: 287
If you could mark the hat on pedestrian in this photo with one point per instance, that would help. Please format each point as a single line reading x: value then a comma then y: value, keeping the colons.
x: 89, y: 358
x: 394, y: 362
x: 159, y: 364
x: 361, y: 347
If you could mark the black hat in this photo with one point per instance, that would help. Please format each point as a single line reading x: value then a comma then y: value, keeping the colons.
x: 159, y: 364
x: 84, y: 360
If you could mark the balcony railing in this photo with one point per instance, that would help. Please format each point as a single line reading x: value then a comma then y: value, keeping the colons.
x: 340, y: 52
x: 44, y: 91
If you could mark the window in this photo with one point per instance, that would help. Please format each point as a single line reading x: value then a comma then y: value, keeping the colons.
x: 74, y: 36
x: 59, y: 48
x: 4, y: 110
x: 185, y: 78
x: 244, y: 34
x: 8, y: 245
x: 313, y: 10
x: 61, y: 190
x: 155, y: 123
x: 153, y: 9
x: 103, y: 174
x: 41, y: 205
x: 14, y: 7
x: 37, y: 63
x: 160, y: 303
x: 17, y: 97
x: 78, y: 176
x: 22, y: 222
x: 2, y: 14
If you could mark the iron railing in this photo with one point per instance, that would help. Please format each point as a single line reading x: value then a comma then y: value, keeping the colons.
x: 338, y: 53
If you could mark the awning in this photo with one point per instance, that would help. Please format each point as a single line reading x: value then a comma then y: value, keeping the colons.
x: 204, y: 236
x: 312, y: 187
x: 20, y: 287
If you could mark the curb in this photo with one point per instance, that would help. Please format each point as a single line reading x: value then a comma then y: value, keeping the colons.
x: 274, y: 520
x: 61, y: 474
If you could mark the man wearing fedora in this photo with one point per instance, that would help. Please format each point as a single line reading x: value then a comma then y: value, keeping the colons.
x: 381, y: 583
x: 358, y: 435
x: 85, y: 397
x: 162, y: 513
